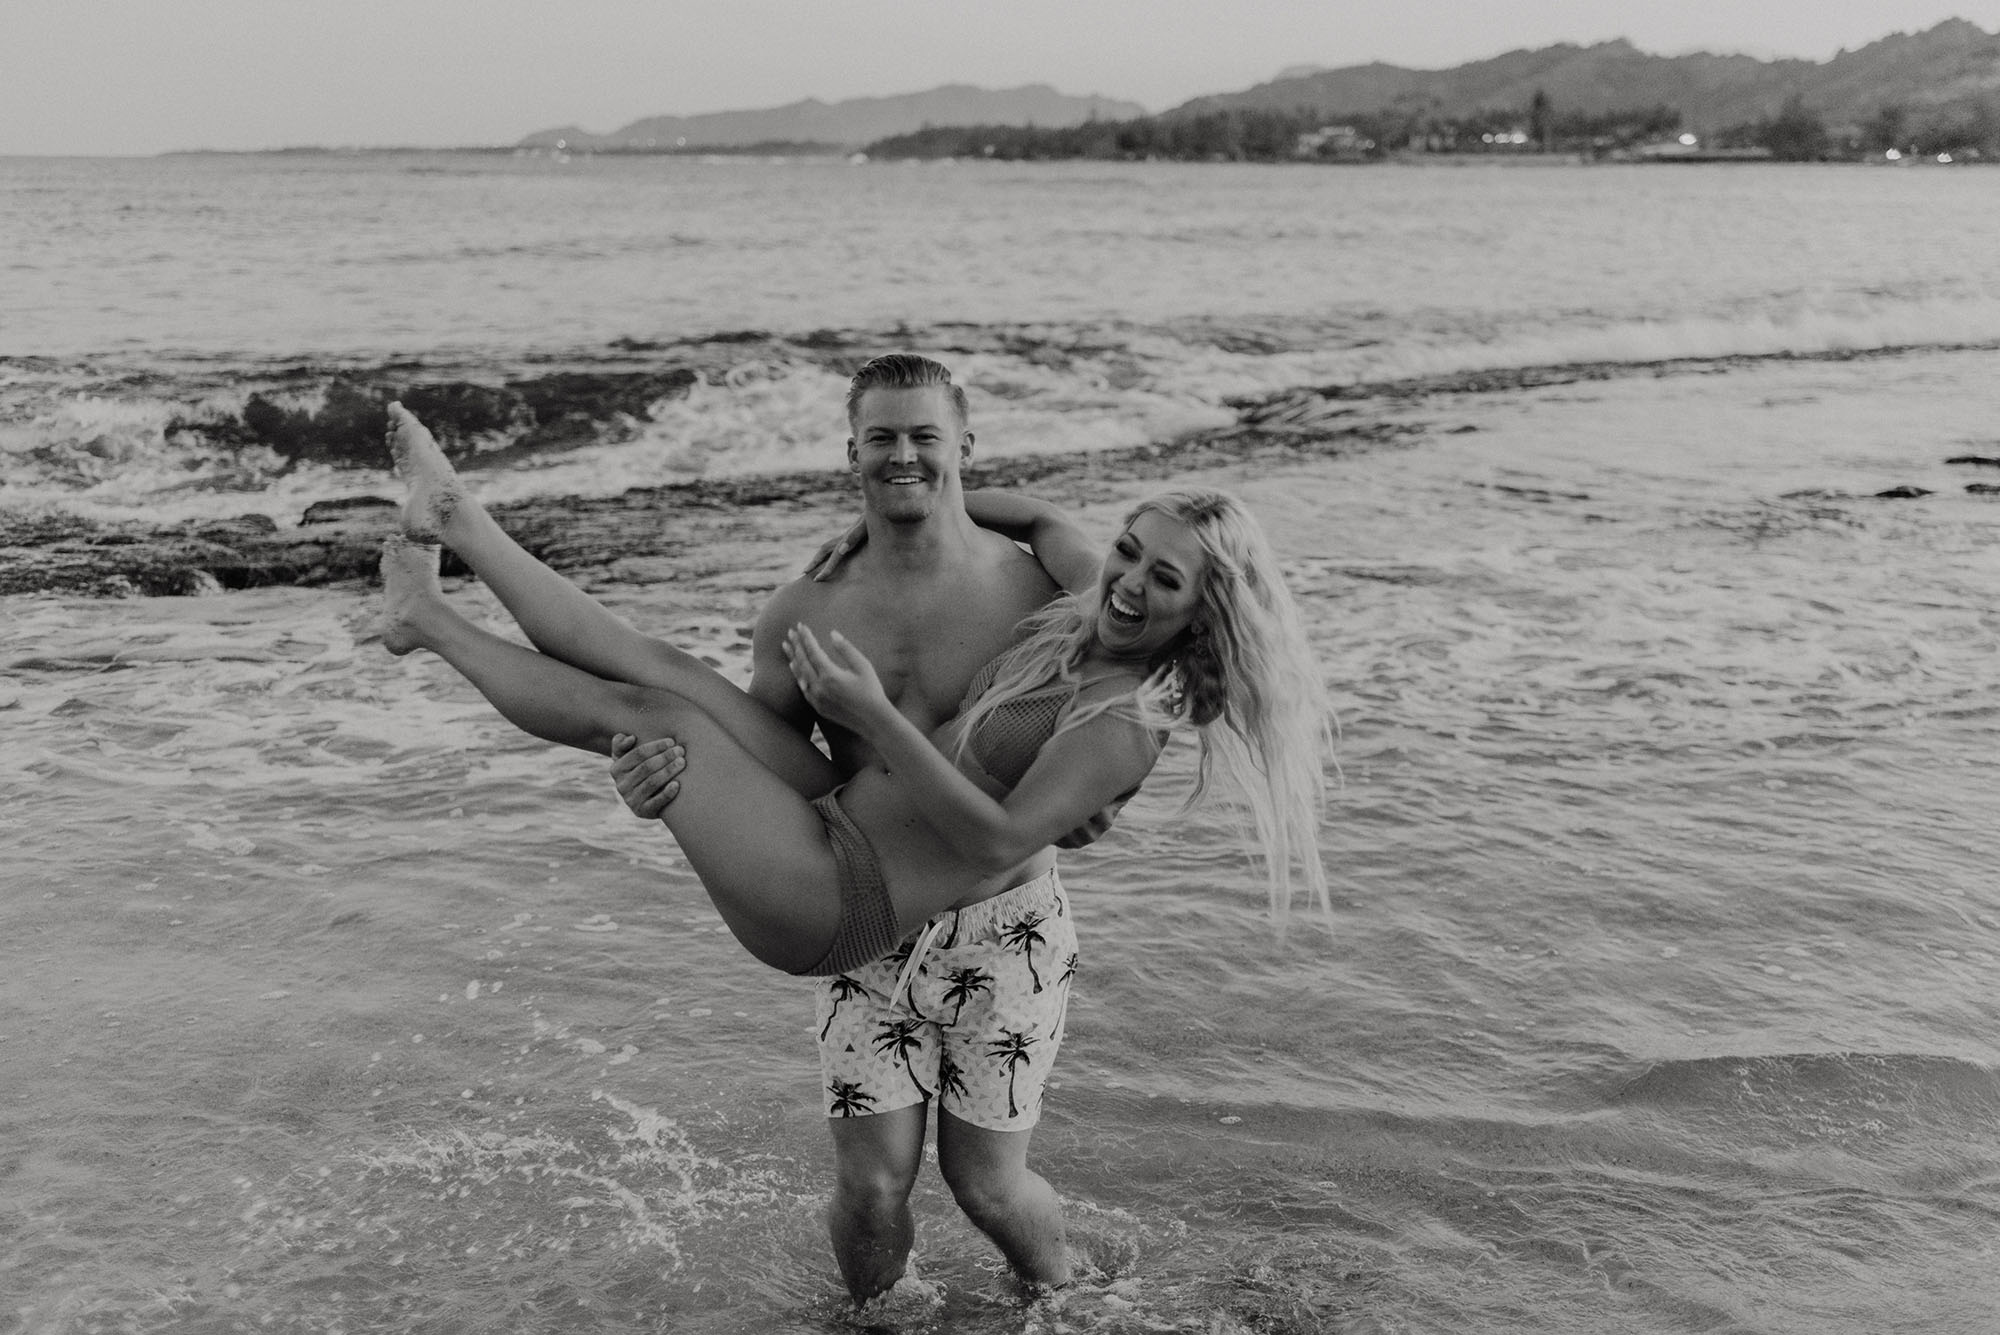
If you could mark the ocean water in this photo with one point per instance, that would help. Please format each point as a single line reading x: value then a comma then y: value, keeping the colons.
x: 1658, y: 991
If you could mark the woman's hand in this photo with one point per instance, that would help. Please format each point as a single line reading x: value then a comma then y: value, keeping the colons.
x: 648, y: 773
x: 837, y: 680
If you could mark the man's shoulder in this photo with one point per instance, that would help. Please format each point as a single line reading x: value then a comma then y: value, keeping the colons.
x: 989, y: 559
x: 1000, y: 551
x: 1003, y: 559
x: 787, y: 601
x: 802, y: 599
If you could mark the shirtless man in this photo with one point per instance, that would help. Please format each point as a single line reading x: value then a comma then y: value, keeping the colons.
x: 930, y: 598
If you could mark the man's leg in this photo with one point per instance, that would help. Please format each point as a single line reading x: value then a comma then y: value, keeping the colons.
x: 1000, y: 987
x: 1009, y: 1202
x: 876, y: 1160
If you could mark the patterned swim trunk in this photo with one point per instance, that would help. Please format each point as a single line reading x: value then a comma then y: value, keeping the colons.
x: 977, y: 1025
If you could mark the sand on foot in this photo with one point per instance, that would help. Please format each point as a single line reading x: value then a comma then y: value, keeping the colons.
x: 409, y: 578
x: 434, y: 489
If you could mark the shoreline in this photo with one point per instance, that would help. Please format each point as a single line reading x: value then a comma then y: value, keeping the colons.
x: 335, y: 542
x: 817, y: 152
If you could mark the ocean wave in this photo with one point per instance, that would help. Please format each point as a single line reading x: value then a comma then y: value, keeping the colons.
x: 181, y: 437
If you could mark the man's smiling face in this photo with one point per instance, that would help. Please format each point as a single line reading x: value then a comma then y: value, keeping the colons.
x: 907, y: 447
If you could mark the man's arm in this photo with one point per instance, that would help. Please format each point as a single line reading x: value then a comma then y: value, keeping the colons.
x: 1099, y: 825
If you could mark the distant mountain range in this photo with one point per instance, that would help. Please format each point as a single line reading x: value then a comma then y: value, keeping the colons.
x: 850, y: 124
x: 1955, y: 63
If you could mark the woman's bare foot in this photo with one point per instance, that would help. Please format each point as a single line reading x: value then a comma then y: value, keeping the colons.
x: 435, y: 491
x: 409, y: 580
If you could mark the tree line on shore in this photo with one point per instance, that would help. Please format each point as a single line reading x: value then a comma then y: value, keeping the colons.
x: 1795, y: 133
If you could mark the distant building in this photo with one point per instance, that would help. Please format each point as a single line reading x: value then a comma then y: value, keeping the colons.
x: 1342, y: 142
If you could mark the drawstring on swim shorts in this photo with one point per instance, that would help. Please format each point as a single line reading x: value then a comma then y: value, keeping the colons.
x: 908, y: 975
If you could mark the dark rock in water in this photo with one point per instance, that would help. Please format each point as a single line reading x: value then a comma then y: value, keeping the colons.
x: 349, y: 426
x: 597, y: 395
x: 1903, y: 493
x: 1984, y: 460
x: 1983, y: 488
x: 242, y: 527
x: 70, y: 554
x: 476, y: 425
x: 347, y: 429
x: 1492, y: 380
x: 462, y: 411
x: 325, y: 512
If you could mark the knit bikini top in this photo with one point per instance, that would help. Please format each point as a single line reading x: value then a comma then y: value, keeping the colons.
x: 1007, y: 740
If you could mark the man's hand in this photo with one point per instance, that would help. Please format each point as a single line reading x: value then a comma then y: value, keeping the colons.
x: 833, y: 551
x: 648, y: 773
x: 1093, y: 829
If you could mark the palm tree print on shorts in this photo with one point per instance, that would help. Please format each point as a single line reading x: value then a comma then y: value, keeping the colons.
x: 848, y: 1100
x: 840, y: 989
x: 1024, y: 935
x: 1012, y: 1050
x: 966, y: 983
x: 1069, y: 970
x: 951, y: 1080
x: 896, y: 1040
x: 896, y: 959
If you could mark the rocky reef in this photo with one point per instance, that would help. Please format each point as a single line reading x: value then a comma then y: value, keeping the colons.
x: 341, y: 540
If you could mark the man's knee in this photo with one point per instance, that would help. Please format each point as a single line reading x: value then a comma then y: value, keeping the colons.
x: 984, y: 1185
x: 875, y: 1190
x: 875, y: 1168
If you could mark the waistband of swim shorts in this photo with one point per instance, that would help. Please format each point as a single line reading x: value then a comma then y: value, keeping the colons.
x: 1039, y: 892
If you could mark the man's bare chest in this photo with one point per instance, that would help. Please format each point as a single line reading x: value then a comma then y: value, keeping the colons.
x: 926, y: 650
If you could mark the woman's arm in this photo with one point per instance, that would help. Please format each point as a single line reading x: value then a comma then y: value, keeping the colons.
x: 1074, y: 776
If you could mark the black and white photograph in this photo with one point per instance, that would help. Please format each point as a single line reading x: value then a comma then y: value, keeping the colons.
x: 823, y: 667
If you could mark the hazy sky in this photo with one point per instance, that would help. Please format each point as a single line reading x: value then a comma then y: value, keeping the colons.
x: 143, y: 76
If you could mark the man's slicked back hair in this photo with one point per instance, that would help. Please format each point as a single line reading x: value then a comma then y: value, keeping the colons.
x: 903, y: 370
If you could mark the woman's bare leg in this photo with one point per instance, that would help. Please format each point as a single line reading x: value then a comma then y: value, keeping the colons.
x: 747, y: 827
x: 536, y: 693
x: 560, y: 619
x: 549, y: 698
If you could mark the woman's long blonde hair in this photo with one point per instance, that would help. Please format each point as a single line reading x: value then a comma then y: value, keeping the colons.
x: 1242, y: 674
